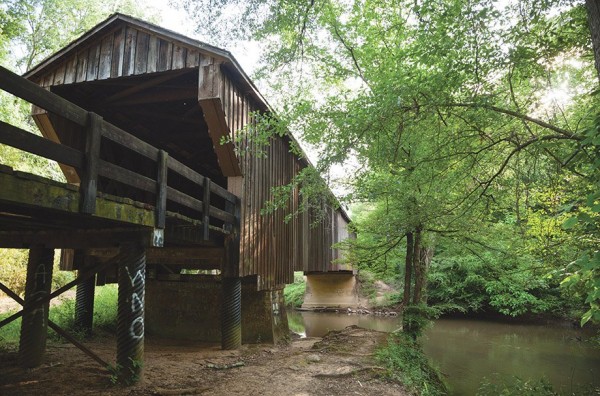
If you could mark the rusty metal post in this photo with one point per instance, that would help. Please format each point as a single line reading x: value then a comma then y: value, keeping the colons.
x: 34, y: 325
x: 130, y: 314
x: 231, y: 313
x: 84, y: 305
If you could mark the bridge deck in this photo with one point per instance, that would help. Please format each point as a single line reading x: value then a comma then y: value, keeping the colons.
x: 36, y: 210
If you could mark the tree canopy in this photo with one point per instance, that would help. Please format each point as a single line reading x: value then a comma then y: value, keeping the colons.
x: 472, y: 125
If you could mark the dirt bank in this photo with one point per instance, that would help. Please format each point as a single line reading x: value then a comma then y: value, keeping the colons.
x: 337, y: 364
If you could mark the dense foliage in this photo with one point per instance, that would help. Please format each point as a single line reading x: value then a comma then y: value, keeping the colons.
x: 467, y: 129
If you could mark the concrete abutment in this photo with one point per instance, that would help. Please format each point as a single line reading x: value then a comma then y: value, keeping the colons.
x: 331, y: 290
x: 191, y: 308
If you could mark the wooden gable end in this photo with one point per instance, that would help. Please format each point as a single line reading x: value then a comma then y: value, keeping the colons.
x: 124, y: 50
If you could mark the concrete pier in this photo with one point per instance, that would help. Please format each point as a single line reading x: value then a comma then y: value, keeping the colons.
x: 331, y: 290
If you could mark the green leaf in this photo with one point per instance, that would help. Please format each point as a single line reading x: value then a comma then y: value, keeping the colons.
x: 586, y: 317
x: 569, y: 223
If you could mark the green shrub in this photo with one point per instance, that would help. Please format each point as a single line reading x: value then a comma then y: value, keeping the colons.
x: 294, y: 293
x: 406, y: 363
x: 14, y: 270
x: 105, y: 317
x: 366, y: 281
x: 9, y: 334
x: 105, y: 308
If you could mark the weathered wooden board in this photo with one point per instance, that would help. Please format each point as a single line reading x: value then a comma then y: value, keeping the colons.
x: 23, y: 189
x: 124, y: 51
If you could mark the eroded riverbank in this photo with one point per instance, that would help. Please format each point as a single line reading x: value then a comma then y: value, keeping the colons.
x: 470, y: 351
x: 340, y: 363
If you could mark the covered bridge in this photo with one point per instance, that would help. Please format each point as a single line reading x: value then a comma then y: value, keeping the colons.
x: 169, y: 135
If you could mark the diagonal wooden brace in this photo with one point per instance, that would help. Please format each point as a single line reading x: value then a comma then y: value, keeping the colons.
x: 82, y: 277
x: 58, y: 329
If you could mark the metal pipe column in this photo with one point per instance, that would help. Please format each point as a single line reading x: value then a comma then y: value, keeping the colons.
x: 34, y: 325
x: 231, y: 313
x: 130, y: 314
x: 84, y: 305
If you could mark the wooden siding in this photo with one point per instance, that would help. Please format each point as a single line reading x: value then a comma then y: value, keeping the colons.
x: 124, y: 51
x: 270, y: 247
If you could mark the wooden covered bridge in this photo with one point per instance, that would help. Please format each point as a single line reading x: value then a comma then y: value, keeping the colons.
x: 163, y: 194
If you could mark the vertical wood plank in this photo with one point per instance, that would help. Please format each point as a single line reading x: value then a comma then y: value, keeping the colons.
x: 93, y: 61
x: 161, y: 185
x: 89, y: 181
x: 47, y: 80
x: 104, y: 65
x: 192, y: 59
x: 116, y: 67
x: 206, y: 209
x: 82, y: 58
x: 211, y: 83
x: 129, y: 51
x: 153, y: 48
x: 59, y: 74
x: 71, y: 70
x: 179, y: 55
x: 164, y: 55
x: 141, y: 53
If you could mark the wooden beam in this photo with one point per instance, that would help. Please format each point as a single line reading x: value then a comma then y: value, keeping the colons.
x: 75, y: 238
x: 33, y: 93
x: 218, y: 130
x: 158, y: 96
x: 44, y: 124
x: 145, y: 85
x: 25, y: 190
x: 27, y: 141
x: 210, y: 91
x: 155, y: 254
x: 89, y: 179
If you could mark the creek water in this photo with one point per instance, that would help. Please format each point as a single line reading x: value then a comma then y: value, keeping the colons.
x: 470, y: 351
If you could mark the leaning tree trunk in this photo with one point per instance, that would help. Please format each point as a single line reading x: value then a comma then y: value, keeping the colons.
x: 408, y: 268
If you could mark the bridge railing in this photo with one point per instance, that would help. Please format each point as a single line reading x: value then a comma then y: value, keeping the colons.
x: 91, y: 165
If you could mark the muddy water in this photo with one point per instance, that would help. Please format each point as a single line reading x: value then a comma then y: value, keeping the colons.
x: 468, y: 351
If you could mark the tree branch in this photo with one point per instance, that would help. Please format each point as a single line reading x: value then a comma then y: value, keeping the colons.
x: 543, y: 124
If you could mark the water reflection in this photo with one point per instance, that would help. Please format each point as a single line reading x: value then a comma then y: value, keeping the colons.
x: 466, y: 351
x: 469, y: 350
x: 317, y: 324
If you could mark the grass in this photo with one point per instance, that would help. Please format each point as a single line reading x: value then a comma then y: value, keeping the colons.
x: 105, y: 317
x: 294, y: 293
x: 406, y: 363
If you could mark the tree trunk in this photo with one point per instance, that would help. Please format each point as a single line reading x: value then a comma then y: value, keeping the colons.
x: 425, y: 261
x: 408, y: 266
x: 418, y: 291
x: 593, y: 11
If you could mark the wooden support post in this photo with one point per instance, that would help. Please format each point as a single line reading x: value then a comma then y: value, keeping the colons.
x: 206, y: 208
x: 34, y: 325
x: 161, y: 187
x: 84, y: 299
x: 89, y: 182
x: 130, y: 314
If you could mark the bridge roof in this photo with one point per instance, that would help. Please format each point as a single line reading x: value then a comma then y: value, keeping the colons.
x: 229, y: 61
